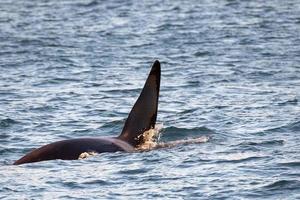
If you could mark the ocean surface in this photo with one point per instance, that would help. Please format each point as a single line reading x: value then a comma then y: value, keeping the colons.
x: 230, y: 72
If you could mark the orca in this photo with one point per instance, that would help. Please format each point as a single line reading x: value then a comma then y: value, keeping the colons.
x: 141, y: 118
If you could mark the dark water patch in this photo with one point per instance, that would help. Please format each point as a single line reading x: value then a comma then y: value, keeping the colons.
x: 293, y: 102
x: 239, y: 160
x: 98, y: 182
x: 202, y: 53
x: 87, y: 4
x: 72, y: 185
x: 283, y: 185
x: 65, y: 80
x: 7, y: 150
x: 7, y: 122
x: 42, y: 108
x: 7, y: 189
x: 268, y: 143
x: 159, y: 178
x: 149, y: 44
x: 221, y: 107
x: 173, y: 133
x: 8, y: 53
x: 71, y: 197
x: 194, y: 83
x: 134, y: 171
x: 92, y: 84
x: 31, y: 41
x: 291, y: 164
x: 60, y: 98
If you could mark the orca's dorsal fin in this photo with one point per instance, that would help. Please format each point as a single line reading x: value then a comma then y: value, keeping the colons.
x: 142, y: 116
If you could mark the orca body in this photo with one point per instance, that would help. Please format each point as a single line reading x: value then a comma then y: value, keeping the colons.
x: 141, y: 118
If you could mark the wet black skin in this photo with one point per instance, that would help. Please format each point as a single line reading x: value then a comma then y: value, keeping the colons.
x: 141, y: 118
x: 71, y: 149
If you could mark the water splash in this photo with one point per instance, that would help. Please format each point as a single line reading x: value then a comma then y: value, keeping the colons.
x: 151, y: 140
x: 85, y: 155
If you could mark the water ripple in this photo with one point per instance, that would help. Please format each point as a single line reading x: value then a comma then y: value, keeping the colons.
x: 283, y: 184
x: 230, y: 73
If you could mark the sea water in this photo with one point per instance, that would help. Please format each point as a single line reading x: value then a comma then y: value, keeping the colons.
x: 230, y: 73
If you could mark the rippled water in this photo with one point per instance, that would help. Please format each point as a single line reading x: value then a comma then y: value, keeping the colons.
x: 230, y: 71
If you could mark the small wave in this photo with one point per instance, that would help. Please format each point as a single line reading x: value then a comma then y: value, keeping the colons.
x: 237, y: 157
x: 41, y: 108
x: 31, y: 41
x: 133, y: 171
x: 193, y: 83
x: 4, y: 123
x: 88, y: 4
x: 71, y: 184
x: 113, y: 124
x: 295, y: 126
x: 58, y: 80
x: 289, y: 102
x: 55, y: 81
x: 202, y: 139
x: 238, y: 160
x: 97, y: 182
x: 291, y: 164
x: 5, y: 150
x: 173, y: 133
x: 188, y: 111
x: 263, y: 143
x: 202, y: 53
x: 121, y: 90
x: 283, y: 184
x: 112, y: 127
x: 261, y: 73
x: 167, y: 26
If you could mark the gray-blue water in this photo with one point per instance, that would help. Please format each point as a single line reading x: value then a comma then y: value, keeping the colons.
x: 230, y: 70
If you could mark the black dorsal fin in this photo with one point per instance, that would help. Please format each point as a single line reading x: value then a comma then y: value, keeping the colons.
x: 142, y: 116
